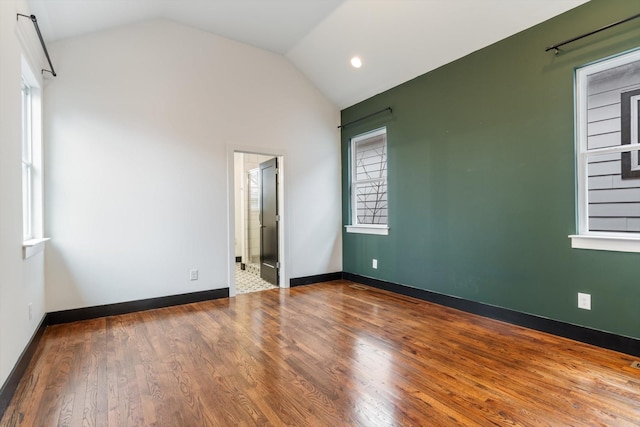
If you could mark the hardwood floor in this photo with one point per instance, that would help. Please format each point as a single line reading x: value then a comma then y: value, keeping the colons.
x: 332, y: 354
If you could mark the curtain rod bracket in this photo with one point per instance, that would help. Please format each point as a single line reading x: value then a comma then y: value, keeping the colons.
x: 44, y: 47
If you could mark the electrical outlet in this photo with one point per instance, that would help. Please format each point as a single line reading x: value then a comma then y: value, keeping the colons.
x: 584, y: 301
x: 30, y: 311
x: 374, y: 264
x: 193, y: 274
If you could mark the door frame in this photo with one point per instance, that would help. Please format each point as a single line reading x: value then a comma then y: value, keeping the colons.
x: 283, y: 230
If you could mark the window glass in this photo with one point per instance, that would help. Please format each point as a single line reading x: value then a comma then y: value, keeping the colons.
x: 369, y: 178
x: 27, y: 165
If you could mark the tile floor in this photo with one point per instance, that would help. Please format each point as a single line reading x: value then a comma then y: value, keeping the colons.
x: 249, y: 280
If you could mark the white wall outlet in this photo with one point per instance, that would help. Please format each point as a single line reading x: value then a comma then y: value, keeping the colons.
x: 193, y: 274
x: 30, y: 311
x: 374, y: 264
x: 584, y: 301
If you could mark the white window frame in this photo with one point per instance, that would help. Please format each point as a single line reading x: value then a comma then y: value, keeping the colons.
x: 355, y: 227
x: 32, y: 185
x: 586, y: 239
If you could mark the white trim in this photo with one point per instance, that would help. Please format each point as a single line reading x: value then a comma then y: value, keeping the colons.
x: 370, y: 134
x: 356, y: 227
x: 611, y: 150
x: 381, y: 230
x: 606, y: 243
x: 35, y: 242
x: 580, y: 148
x: 33, y: 246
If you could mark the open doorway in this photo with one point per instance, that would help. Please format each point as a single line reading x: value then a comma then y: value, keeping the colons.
x: 257, y: 218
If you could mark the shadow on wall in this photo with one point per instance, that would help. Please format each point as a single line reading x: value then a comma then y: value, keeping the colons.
x: 68, y: 294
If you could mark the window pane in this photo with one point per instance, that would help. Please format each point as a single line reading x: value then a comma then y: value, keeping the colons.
x: 613, y: 202
x: 27, y: 168
x: 26, y: 201
x: 371, y: 202
x: 369, y: 178
x: 26, y: 124
x: 371, y: 158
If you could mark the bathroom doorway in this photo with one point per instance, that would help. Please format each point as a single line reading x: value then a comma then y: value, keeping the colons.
x: 256, y: 222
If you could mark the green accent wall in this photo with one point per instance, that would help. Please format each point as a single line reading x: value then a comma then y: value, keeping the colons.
x: 482, y: 178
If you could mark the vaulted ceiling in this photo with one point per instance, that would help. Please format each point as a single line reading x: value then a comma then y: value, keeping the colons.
x: 397, y: 40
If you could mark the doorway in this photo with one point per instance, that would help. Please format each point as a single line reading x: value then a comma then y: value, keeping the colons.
x: 257, y: 218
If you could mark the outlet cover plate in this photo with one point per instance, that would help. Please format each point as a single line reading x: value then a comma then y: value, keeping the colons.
x: 584, y: 301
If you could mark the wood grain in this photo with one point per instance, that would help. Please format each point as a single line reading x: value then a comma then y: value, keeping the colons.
x: 321, y: 355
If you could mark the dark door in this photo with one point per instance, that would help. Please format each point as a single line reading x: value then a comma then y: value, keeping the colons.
x: 269, y: 221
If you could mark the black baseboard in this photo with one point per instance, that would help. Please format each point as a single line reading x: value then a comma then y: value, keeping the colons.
x: 95, y: 312
x: 310, y: 280
x: 11, y: 384
x: 583, y: 334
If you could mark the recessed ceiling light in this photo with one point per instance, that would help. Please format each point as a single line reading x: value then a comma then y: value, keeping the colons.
x: 356, y: 62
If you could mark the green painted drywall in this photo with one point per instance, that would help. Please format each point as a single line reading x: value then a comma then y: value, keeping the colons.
x: 482, y: 179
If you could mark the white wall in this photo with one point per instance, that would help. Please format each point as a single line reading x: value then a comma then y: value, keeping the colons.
x: 21, y: 281
x: 138, y: 124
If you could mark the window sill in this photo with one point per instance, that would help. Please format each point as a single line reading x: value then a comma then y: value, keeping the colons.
x: 33, y: 246
x: 606, y: 243
x: 381, y: 230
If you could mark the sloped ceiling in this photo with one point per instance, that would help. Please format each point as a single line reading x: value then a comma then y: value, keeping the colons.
x: 396, y: 39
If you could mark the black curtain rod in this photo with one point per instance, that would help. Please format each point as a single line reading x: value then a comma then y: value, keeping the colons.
x: 44, y: 47
x: 365, y: 117
x: 606, y: 27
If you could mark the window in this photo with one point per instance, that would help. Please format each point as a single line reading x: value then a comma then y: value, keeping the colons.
x: 27, y: 164
x: 608, y: 167
x: 369, y: 207
x: 31, y: 163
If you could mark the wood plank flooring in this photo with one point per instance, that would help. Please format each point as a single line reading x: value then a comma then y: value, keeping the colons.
x: 330, y: 354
